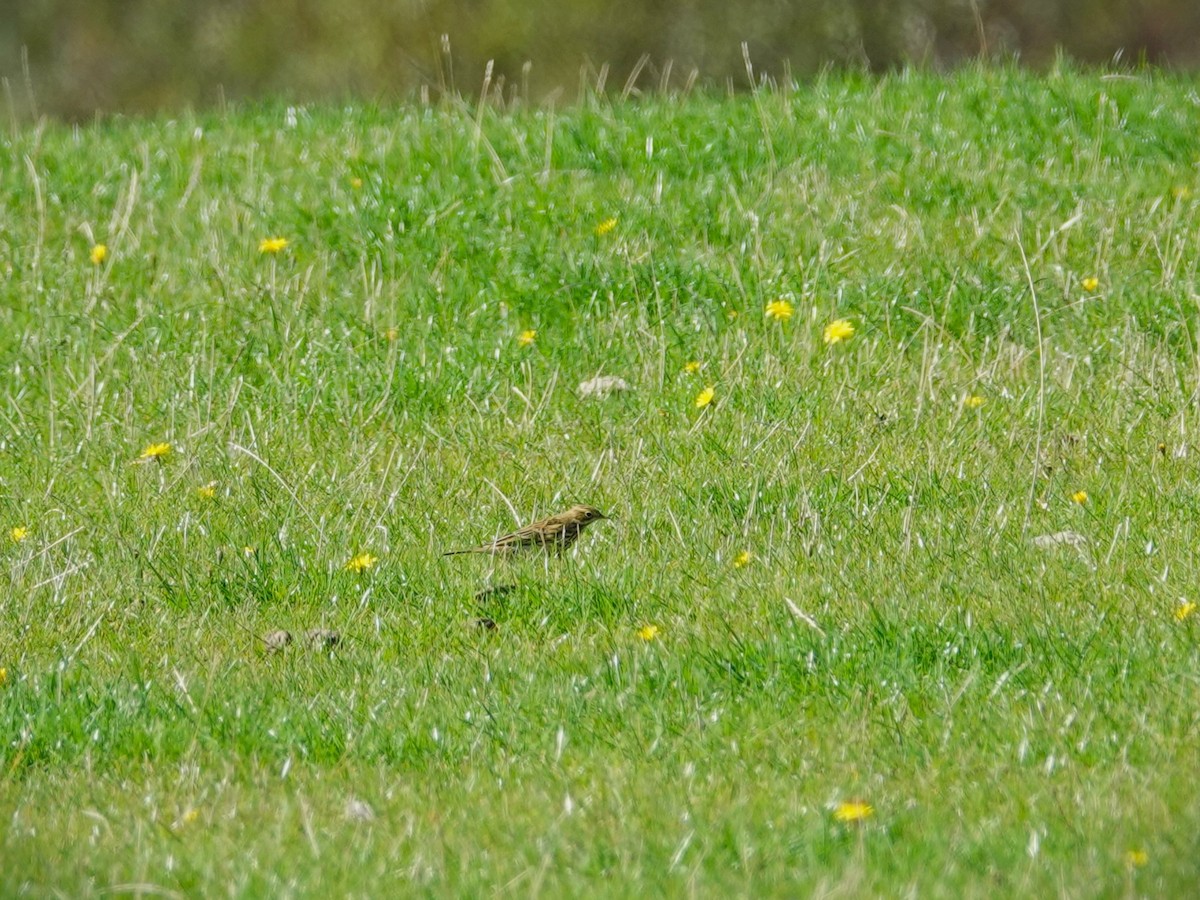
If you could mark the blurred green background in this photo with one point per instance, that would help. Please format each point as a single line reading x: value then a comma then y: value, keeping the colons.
x: 74, y: 58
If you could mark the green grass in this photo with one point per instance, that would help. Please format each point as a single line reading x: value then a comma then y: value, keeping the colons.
x: 1020, y: 718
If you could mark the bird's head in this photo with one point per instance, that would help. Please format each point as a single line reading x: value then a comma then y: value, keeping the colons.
x: 586, y: 515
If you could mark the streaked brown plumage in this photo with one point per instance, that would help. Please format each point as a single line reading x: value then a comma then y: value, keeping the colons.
x: 556, y: 533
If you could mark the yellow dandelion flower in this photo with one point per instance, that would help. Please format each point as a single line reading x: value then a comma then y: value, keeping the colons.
x: 3, y: 676
x: 356, y: 183
x: 1135, y: 859
x: 780, y: 310
x: 1184, y: 610
x: 1079, y: 497
x: 361, y: 563
x: 839, y: 330
x: 648, y: 632
x: 606, y: 226
x: 207, y: 491
x: 1090, y: 283
x: 527, y: 337
x: 705, y: 397
x: 853, y: 811
x: 18, y: 533
x: 272, y: 245
x: 191, y: 816
x: 742, y: 560
x: 973, y: 401
x: 99, y: 254
x: 692, y: 368
x: 248, y: 551
x: 158, y: 451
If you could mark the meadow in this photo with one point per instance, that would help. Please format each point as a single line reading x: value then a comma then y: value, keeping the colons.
x: 900, y: 593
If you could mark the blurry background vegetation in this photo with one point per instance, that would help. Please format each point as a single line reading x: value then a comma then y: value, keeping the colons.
x: 74, y: 58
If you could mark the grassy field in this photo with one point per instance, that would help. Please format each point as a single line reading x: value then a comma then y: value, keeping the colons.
x: 908, y: 612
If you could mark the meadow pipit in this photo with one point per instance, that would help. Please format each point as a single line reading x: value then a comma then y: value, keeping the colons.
x: 556, y: 533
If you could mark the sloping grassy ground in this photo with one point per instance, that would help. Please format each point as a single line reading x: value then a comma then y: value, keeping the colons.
x: 839, y: 553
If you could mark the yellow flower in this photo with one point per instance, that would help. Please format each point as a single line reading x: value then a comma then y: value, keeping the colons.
x: 732, y: 314
x: 973, y: 401
x: 839, y: 330
x: 207, y: 491
x: 853, y: 811
x: 692, y: 368
x: 1135, y: 859
x: 3, y: 676
x: 356, y: 183
x: 18, y: 533
x: 605, y: 227
x: 392, y: 333
x: 248, y: 551
x: 191, y: 815
x: 705, y: 397
x: 1180, y: 192
x: 780, y: 310
x: 1079, y: 497
x: 1090, y: 283
x: 742, y: 560
x: 99, y: 254
x: 272, y: 245
x: 361, y: 563
x: 527, y: 337
x: 157, y: 451
x: 1184, y: 609
x: 648, y: 632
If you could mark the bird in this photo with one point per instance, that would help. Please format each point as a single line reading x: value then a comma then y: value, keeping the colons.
x: 555, y: 533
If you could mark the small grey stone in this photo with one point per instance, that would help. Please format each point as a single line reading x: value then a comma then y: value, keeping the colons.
x: 277, y: 640
x: 359, y: 810
x: 602, y: 386
x: 1059, y: 539
x: 323, y: 638
x: 1073, y: 539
